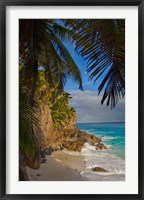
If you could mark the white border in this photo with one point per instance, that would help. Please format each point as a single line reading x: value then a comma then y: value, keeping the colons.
x: 130, y: 186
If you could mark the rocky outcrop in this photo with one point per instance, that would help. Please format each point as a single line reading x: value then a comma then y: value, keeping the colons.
x: 33, y: 162
x: 72, y: 139
x: 73, y: 145
x: 100, y: 146
x: 68, y: 137
x: 99, y: 169
x: 75, y: 139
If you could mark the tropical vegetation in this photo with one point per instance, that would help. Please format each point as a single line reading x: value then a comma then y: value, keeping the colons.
x: 45, y: 64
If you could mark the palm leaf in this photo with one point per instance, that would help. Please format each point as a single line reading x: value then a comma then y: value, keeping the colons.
x: 70, y: 66
x: 102, y: 43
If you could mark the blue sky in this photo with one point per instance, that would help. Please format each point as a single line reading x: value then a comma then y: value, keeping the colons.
x: 87, y: 84
x: 87, y: 102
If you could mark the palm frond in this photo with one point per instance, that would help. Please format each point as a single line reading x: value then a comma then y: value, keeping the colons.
x: 37, y: 48
x: 102, y: 43
x: 27, y: 117
x: 70, y: 66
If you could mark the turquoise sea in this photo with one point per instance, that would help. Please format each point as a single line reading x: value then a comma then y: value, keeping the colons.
x: 113, y: 136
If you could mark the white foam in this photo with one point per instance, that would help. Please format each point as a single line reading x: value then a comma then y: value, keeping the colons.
x: 108, y: 146
x: 104, y: 138
x: 72, y: 153
x: 102, y: 158
x: 91, y: 176
x: 109, y: 138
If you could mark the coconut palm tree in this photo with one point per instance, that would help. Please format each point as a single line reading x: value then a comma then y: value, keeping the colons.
x: 40, y: 44
x: 40, y: 47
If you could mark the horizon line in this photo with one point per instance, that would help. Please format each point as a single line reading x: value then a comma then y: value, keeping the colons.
x: 99, y: 122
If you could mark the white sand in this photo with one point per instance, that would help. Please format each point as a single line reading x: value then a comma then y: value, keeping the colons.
x: 56, y: 169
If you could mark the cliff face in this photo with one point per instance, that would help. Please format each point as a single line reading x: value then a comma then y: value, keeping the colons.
x: 71, y: 123
x: 68, y: 137
x: 44, y: 132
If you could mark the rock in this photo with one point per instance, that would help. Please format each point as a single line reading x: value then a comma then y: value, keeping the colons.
x: 49, y: 151
x: 42, y: 153
x: 31, y: 161
x: 71, y: 122
x: 73, y: 145
x: 43, y: 132
x: 38, y: 175
x: 44, y: 161
x: 73, y: 139
x: 89, y: 137
x: 99, y: 169
x: 100, y: 146
x: 60, y: 147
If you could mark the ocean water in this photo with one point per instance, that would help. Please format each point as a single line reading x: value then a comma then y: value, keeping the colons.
x: 111, y: 159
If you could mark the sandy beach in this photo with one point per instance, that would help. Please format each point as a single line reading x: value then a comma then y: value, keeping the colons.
x: 60, y: 166
x: 68, y: 166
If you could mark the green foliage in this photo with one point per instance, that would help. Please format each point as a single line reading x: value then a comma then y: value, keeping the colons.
x: 26, y: 135
x: 41, y: 46
x: 58, y: 103
x: 27, y: 118
x: 42, y: 89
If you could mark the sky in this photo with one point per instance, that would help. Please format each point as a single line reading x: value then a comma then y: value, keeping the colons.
x: 87, y: 102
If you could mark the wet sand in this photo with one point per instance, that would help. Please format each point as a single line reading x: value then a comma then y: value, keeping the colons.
x: 60, y: 166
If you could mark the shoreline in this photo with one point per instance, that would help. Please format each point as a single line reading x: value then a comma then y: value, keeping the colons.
x: 68, y: 166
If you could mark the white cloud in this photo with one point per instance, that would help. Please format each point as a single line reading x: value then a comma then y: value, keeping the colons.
x: 89, y: 108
